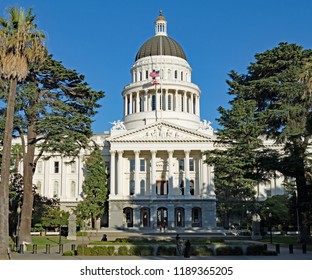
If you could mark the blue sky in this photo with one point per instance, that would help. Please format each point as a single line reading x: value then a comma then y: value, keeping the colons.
x: 100, y: 38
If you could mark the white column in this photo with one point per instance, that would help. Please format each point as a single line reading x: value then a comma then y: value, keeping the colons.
x: 211, y: 181
x: 119, y: 189
x: 204, y: 175
x: 187, y: 172
x: 192, y: 103
x: 137, y: 172
x: 137, y: 109
x: 125, y: 104
x: 184, y: 102
x: 130, y: 104
x: 176, y: 102
x: 145, y: 101
x: 153, y: 173
x: 170, y: 172
x: 197, y: 105
x: 165, y: 106
x: 112, y: 173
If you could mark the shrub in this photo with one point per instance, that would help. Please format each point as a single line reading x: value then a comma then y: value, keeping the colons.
x: 141, y: 250
x: 237, y: 251
x: 69, y: 253
x: 121, y: 240
x: 202, y: 251
x: 166, y: 251
x: 86, y: 250
x: 228, y: 251
x: 255, y: 250
x: 123, y: 251
x: 99, y: 251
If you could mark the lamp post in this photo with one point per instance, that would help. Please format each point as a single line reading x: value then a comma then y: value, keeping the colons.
x: 60, y: 235
x: 270, y: 226
x: 18, y: 210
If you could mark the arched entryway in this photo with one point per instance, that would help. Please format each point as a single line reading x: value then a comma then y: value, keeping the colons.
x: 145, y: 217
x: 179, y: 217
x: 162, y: 218
x: 196, y: 217
x: 128, y: 215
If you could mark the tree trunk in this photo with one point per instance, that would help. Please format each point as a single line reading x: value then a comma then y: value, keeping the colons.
x: 303, y: 210
x: 28, y: 198
x: 5, y: 172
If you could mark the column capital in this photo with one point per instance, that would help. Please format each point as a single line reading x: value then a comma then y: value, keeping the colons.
x: 112, y: 152
x: 187, y: 151
x: 136, y: 152
x: 170, y: 152
x: 120, y: 152
x: 153, y: 152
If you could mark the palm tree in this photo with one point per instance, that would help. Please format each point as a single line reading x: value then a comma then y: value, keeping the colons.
x: 21, y: 44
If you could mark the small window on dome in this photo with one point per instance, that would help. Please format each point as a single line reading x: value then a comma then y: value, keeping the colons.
x: 175, y: 74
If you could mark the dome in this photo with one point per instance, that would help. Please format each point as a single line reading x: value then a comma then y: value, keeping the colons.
x: 152, y: 47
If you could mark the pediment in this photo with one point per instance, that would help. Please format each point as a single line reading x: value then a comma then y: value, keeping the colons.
x: 161, y: 132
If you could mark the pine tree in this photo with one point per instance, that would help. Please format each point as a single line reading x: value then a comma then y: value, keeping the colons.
x: 94, y: 188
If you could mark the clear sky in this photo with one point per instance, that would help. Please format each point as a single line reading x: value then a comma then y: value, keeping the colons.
x: 100, y: 38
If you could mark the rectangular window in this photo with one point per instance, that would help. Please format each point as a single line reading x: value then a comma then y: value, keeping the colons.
x: 142, y: 165
x: 56, y: 167
x: 132, y: 165
x: 181, y: 164
x: 131, y: 187
x: 192, y: 168
x: 162, y: 187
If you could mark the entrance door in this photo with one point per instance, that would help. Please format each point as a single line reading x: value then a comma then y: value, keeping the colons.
x: 162, y: 218
x: 145, y: 217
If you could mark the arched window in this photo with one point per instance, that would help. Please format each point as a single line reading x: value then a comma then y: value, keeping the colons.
x: 142, y: 187
x: 162, y: 218
x: 179, y: 217
x: 145, y: 217
x: 128, y: 215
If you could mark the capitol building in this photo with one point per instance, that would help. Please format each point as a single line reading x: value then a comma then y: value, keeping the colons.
x: 154, y: 154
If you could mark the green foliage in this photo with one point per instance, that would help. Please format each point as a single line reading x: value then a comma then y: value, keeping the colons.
x: 166, y: 251
x: 255, y: 250
x: 273, y: 100
x: 94, y: 187
x: 202, y: 251
x: 69, y: 253
x: 83, y: 250
x: 229, y: 251
x: 123, y: 251
x: 276, y: 206
x: 141, y: 250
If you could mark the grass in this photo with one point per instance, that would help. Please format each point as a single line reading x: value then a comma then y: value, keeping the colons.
x: 42, y: 241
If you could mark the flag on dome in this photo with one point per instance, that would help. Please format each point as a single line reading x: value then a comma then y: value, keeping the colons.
x: 154, y: 74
